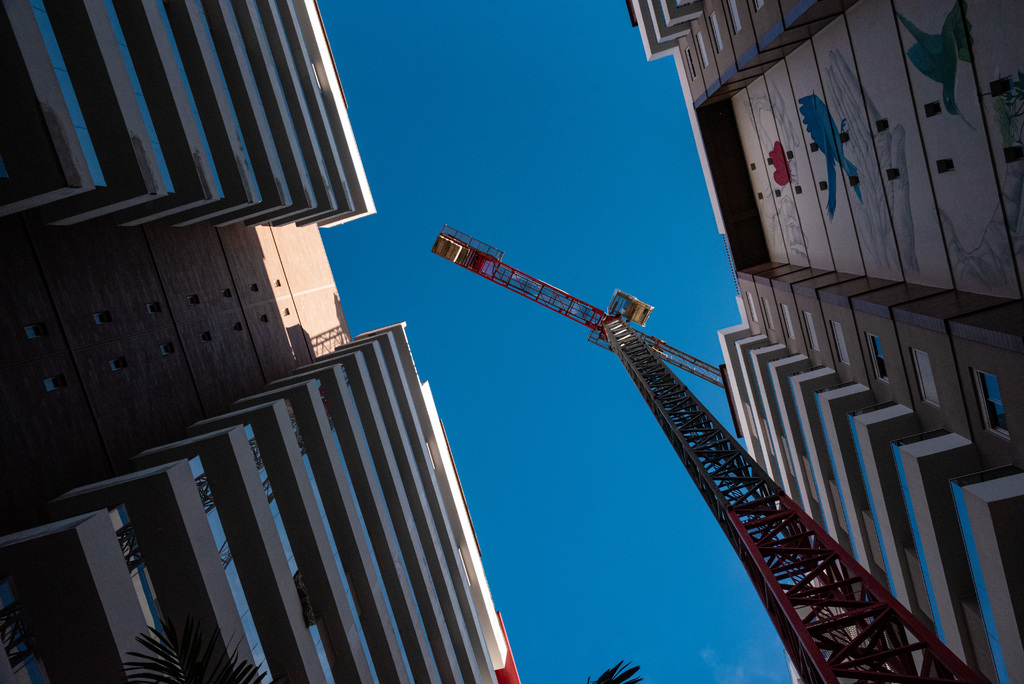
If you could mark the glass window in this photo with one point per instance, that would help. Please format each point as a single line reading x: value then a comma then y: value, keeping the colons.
x: 837, y: 333
x: 701, y: 48
x: 768, y: 313
x: 752, y: 306
x: 925, y: 379
x: 715, y: 33
x: 877, y: 358
x: 812, y: 334
x: 991, y: 402
x: 788, y: 322
x: 689, y: 62
x: 735, y: 14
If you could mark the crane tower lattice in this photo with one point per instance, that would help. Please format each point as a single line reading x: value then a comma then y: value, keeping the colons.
x: 838, y: 623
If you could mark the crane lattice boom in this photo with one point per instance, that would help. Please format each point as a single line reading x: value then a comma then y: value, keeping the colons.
x: 486, y: 261
x: 838, y: 623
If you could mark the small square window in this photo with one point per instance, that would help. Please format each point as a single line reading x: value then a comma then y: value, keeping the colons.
x: 892, y: 174
x: 788, y: 322
x: 753, y: 307
x: 837, y: 333
x: 35, y: 330
x: 932, y: 109
x: 854, y: 181
x: 264, y: 318
x: 254, y: 287
x: 54, y: 382
x: 823, y: 185
x: 193, y: 299
x: 882, y: 125
x: 1001, y: 87
x: 237, y: 327
x: 287, y: 312
x: 205, y: 336
x: 925, y: 378
x: 812, y: 334
x: 101, y: 317
x: 991, y: 399
x: 944, y: 165
x: 844, y: 137
x: 797, y: 189
x: 118, y: 363
x: 1013, y: 153
x: 778, y: 193
x: 153, y: 307
x: 166, y: 348
x: 226, y: 292
x: 814, y: 147
x: 877, y: 358
x: 277, y: 283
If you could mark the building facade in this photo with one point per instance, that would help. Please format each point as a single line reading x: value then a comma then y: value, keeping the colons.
x: 864, y: 162
x: 188, y: 429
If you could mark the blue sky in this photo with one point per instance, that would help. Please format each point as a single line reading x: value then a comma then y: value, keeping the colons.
x: 541, y: 129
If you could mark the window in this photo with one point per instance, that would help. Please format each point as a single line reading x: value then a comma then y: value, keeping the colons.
x: 837, y: 333
x: 205, y: 336
x: 689, y: 62
x: 193, y: 299
x: 166, y: 348
x: 153, y: 307
x: 263, y: 318
x: 54, y: 382
x: 752, y: 306
x: 758, y: 4
x: 992, y: 412
x: 277, y: 283
x: 768, y: 313
x: 287, y: 312
x: 702, y: 49
x: 254, y: 287
x: 35, y: 330
x: 788, y: 322
x: 735, y: 14
x: 118, y: 363
x: 925, y: 379
x: 101, y: 317
x: 877, y: 358
x: 226, y: 292
x: 812, y: 334
x: 237, y: 327
x: 715, y: 33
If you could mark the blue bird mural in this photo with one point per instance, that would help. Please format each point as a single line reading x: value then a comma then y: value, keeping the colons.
x: 936, y: 55
x: 823, y: 132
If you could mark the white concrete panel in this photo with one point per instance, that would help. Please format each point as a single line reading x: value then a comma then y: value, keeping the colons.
x: 999, y: 53
x: 825, y: 167
x: 776, y: 166
x: 856, y: 155
x: 759, y: 178
x: 801, y: 181
x: 943, y: 85
x: 876, y: 47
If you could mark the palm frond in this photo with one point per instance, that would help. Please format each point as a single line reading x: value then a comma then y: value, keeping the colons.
x: 188, y: 659
x: 619, y: 674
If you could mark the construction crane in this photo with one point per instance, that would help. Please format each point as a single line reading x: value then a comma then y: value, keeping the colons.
x: 839, y: 624
x: 486, y: 261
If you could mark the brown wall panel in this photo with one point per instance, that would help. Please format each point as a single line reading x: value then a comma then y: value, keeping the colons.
x: 50, y: 442
x: 191, y: 263
x: 24, y: 299
x: 147, y: 403
x: 225, y: 367
x: 280, y: 344
x: 302, y: 253
x: 97, y: 267
x: 253, y: 260
x: 322, y: 320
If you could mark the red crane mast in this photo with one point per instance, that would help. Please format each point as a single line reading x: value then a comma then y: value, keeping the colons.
x: 838, y: 623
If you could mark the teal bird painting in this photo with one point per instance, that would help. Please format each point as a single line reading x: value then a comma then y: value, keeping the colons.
x: 823, y: 131
x: 936, y: 56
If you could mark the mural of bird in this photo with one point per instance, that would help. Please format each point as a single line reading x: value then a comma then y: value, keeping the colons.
x: 936, y: 56
x: 823, y: 131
